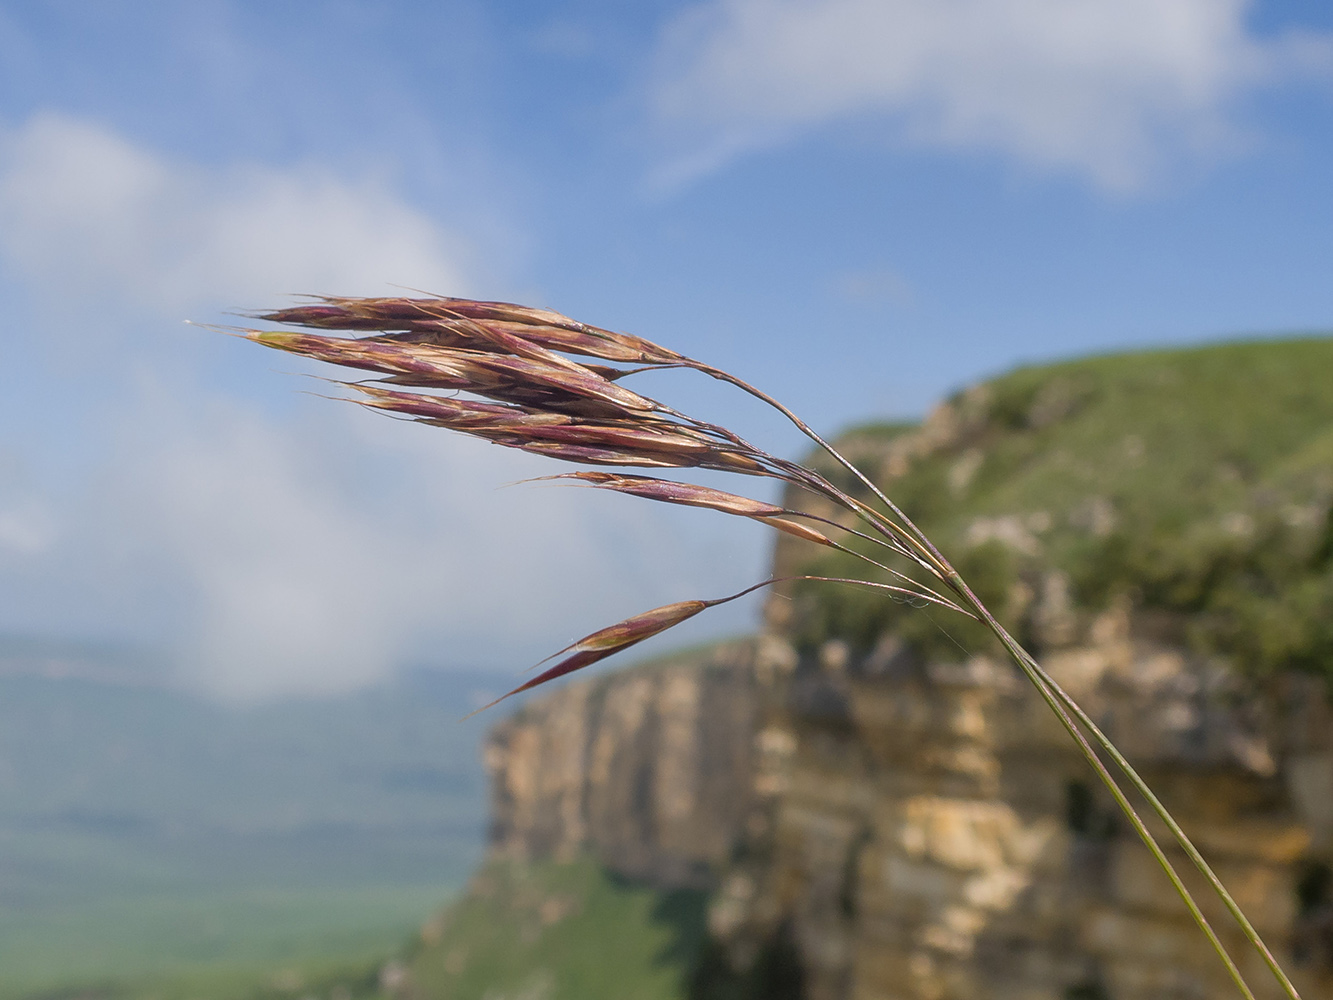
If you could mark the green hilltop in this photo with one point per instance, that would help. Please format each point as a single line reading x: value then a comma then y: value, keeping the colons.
x: 1196, y: 482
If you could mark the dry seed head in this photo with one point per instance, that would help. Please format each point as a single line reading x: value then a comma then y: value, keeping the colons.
x: 608, y: 641
x: 543, y: 327
x: 589, y: 455
x: 560, y: 435
x: 332, y: 312
x: 505, y: 377
x: 799, y: 530
x: 692, y: 495
x: 668, y: 491
x: 455, y: 412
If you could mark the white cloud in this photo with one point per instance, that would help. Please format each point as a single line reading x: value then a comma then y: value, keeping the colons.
x: 84, y: 210
x: 25, y: 528
x: 1108, y: 89
x: 288, y: 594
x: 318, y: 554
x: 301, y: 547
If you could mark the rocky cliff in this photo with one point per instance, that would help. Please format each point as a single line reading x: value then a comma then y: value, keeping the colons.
x: 650, y: 770
x: 935, y: 835
x: 886, y: 808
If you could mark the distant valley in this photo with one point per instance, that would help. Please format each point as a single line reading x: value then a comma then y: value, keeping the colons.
x: 143, y: 829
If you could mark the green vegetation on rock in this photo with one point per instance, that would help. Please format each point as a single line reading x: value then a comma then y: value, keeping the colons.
x: 1195, y: 482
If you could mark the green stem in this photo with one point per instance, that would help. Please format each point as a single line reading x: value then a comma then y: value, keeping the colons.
x: 1142, y: 786
x: 1039, y: 680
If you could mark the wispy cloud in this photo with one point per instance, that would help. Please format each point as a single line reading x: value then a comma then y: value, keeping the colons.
x: 25, y: 527
x: 304, y: 546
x: 318, y: 554
x: 86, y: 210
x: 1110, y: 90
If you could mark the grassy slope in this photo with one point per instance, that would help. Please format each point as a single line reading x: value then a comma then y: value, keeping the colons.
x: 560, y: 932
x: 541, y: 931
x: 1195, y: 481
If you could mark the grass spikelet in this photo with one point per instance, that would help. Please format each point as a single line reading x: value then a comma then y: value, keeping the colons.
x: 424, y: 318
x: 620, y: 636
x: 669, y: 491
x: 607, y: 642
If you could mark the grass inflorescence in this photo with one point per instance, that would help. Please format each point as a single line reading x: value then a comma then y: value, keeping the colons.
x: 510, y: 377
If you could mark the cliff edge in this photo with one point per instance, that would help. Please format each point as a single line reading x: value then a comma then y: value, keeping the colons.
x: 648, y: 770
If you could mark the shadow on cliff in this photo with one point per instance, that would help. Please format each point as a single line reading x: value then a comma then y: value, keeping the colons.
x: 683, y: 912
x: 776, y: 973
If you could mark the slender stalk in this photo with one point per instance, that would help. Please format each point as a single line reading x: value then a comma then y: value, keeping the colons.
x: 923, y: 591
x: 1056, y: 705
x: 809, y: 432
x: 1168, y: 820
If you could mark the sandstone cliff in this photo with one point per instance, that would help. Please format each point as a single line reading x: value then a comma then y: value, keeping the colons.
x: 934, y: 834
x: 649, y: 770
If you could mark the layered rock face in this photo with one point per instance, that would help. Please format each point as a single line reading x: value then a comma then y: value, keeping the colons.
x: 906, y: 819
x: 933, y: 834
x: 649, y: 770
x: 925, y: 829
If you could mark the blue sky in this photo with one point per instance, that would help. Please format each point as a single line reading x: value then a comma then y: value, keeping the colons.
x: 860, y: 205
